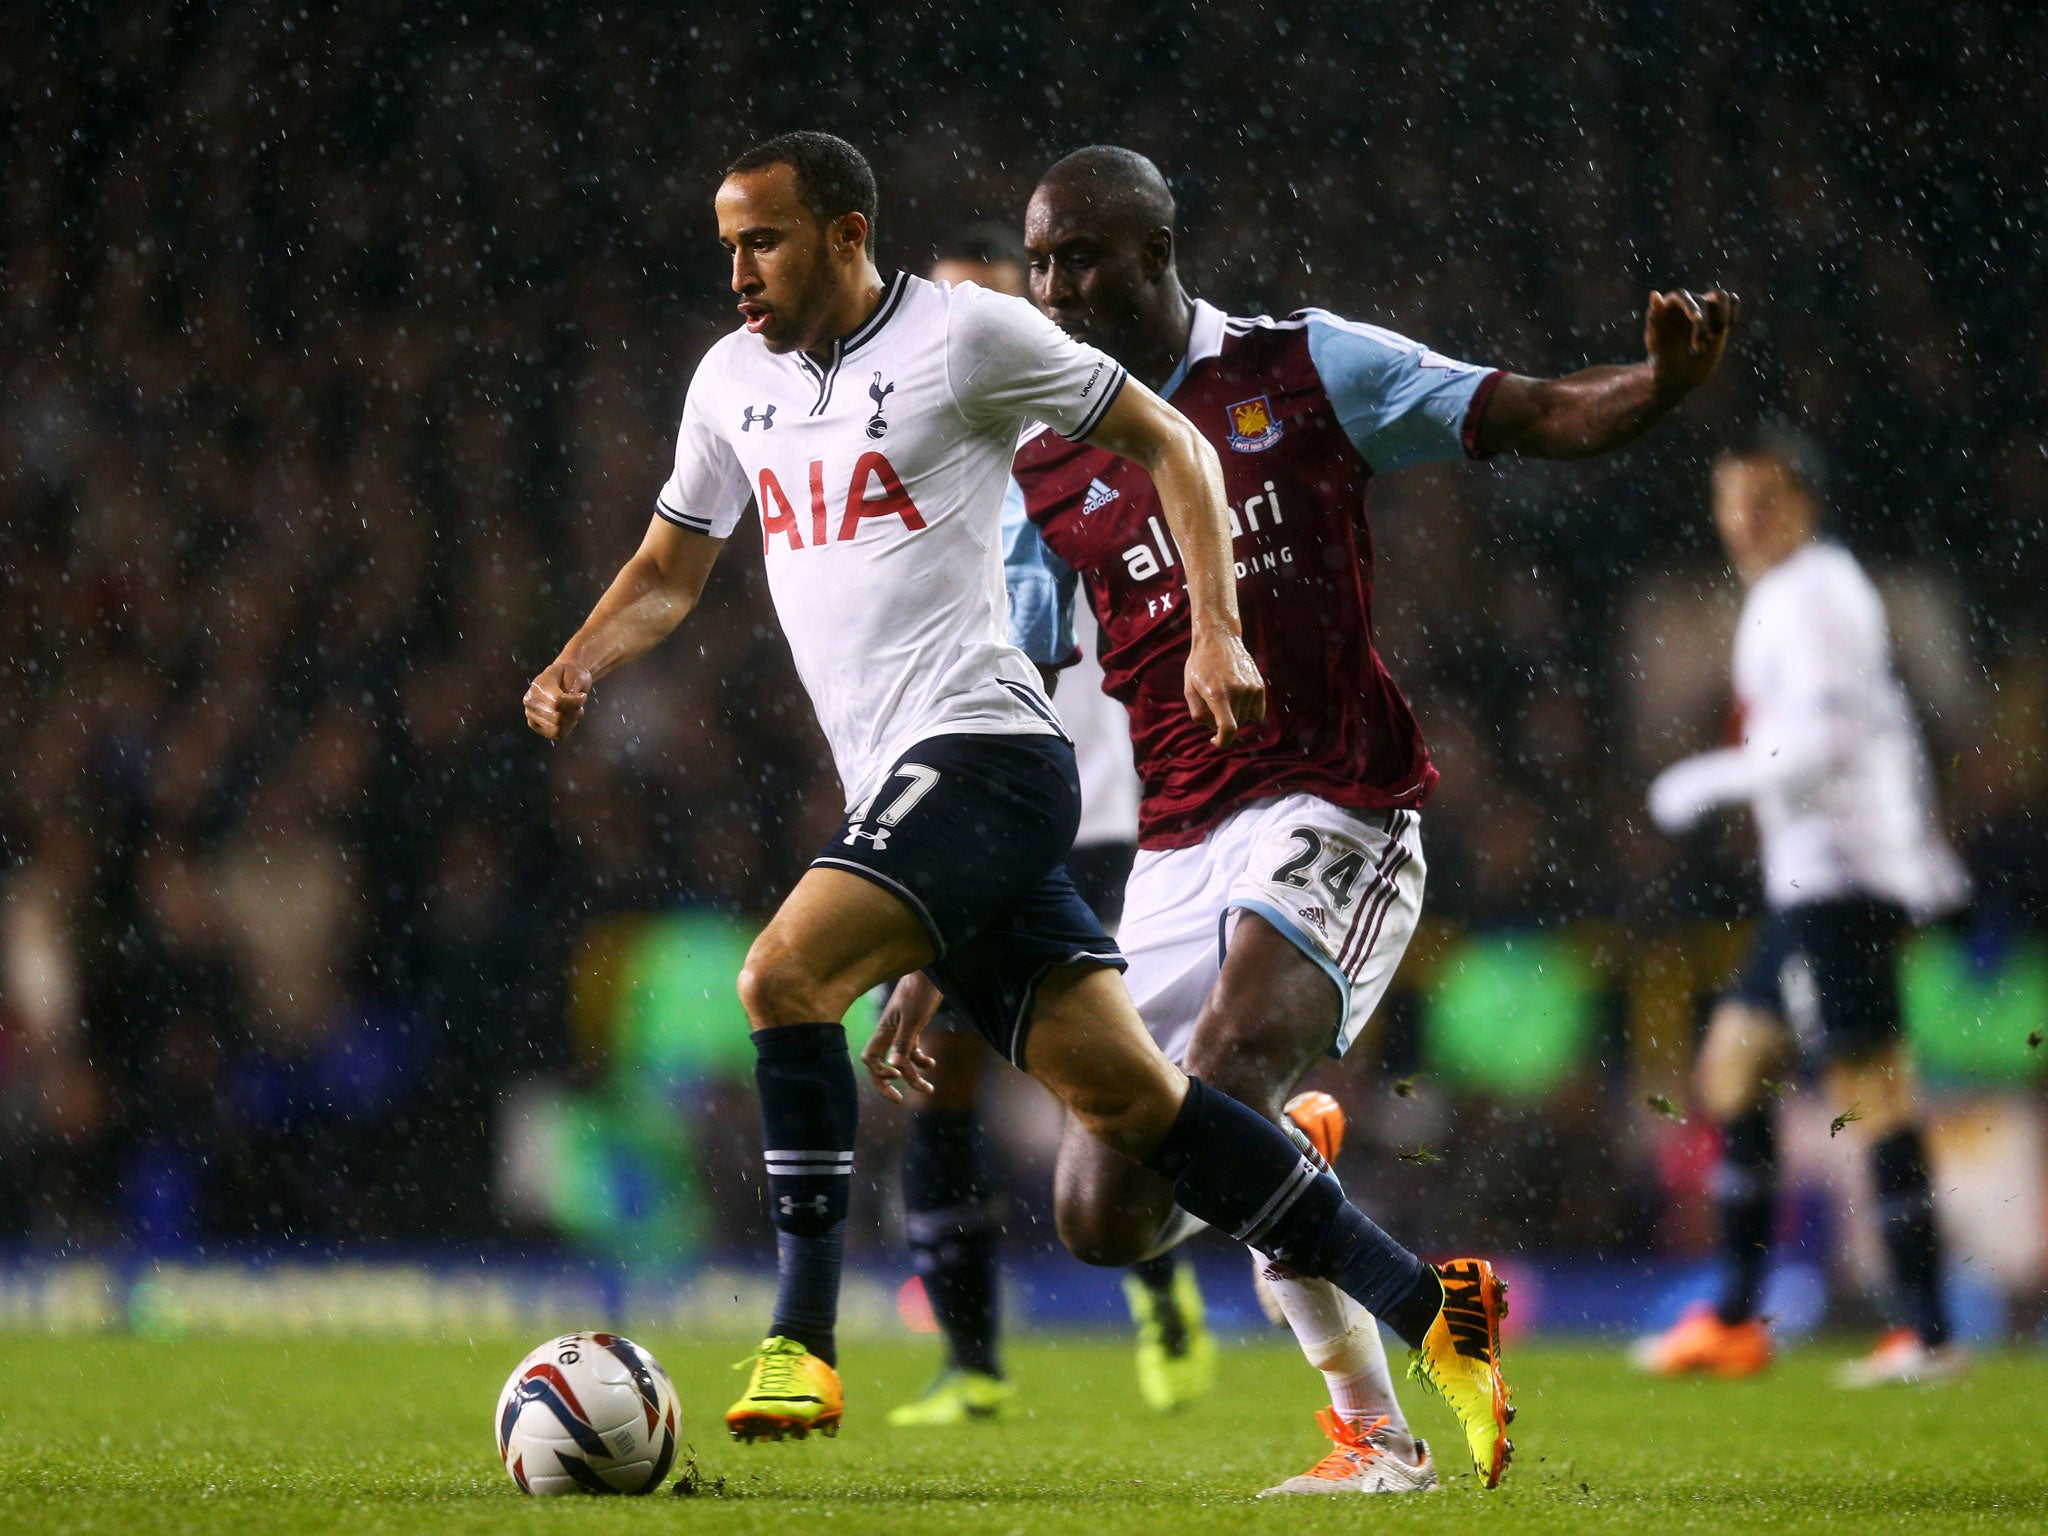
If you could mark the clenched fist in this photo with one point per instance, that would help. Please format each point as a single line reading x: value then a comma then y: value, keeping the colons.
x: 1684, y: 335
x: 554, y: 700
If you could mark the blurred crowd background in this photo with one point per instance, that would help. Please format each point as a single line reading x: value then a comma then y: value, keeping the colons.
x: 342, y: 354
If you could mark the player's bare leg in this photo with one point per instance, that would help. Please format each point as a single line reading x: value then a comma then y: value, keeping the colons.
x: 1269, y: 1018
x: 836, y: 936
x: 1239, y: 1172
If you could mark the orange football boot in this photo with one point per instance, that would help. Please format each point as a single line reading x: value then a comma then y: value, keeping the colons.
x: 1701, y: 1342
x: 1321, y: 1119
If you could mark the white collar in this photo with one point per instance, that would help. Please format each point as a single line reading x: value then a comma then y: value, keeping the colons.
x: 1205, y: 340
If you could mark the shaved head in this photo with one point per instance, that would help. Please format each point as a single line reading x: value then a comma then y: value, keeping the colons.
x: 1116, y: 189
x: 1099, y: 234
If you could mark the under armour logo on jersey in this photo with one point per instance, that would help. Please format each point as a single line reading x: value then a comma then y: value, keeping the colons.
x: 817, y: 1204
x: 879, y: 392
x: 765, y: 418
x: 1098, y: 497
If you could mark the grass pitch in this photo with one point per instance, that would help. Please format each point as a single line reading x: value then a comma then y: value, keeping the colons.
x: 249, y: 1436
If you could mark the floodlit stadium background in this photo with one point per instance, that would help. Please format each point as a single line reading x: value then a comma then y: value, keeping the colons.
x: 342, y: 361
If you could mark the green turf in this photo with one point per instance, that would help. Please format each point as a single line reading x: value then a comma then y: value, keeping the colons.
x: 136, y: 1436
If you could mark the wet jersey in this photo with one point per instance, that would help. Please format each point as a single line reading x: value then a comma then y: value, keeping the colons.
x: 1303, y: 412
x: 880, y: 472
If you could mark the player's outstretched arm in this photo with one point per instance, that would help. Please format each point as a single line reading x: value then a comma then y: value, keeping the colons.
x: 653, y: 593
x: 1224, y: 689
x: 1600, y: 409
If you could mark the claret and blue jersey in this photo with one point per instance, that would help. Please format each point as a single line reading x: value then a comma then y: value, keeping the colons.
x: 1303, y: 413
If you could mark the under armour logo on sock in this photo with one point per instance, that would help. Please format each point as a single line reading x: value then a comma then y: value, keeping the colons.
x: 817, y: 1203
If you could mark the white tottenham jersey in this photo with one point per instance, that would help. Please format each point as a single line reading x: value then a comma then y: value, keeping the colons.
x: 879, y: 471
x: 1831, y: 760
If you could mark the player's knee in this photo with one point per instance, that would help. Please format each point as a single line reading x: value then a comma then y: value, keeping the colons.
x: 774, y: 987
x: 1094, y: 1237
x: 1126, y: 1119
x: 1725, y: 1089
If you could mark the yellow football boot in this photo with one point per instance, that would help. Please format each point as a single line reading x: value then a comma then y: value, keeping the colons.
x: 957, y: 1397
x: 1460, y: 1360
x: 1177, y: 1354
x: 790, y: 1393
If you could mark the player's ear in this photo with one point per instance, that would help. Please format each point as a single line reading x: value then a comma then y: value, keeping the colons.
x: 849, y: 234
x: 1156, y: 254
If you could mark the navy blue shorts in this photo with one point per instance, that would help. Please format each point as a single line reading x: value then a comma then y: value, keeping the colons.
x: 1828, y: 969
x: 972, y: 832
x: 1099, y: 871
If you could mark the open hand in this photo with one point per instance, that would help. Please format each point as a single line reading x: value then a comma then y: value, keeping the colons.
x: 893, y: 1055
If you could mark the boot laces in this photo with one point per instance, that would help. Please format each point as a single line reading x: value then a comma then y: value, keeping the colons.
x: 776, y: 1366
x: 1354, y: 1448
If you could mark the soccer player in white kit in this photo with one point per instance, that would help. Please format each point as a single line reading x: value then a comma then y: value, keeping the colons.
x: 872, y: 420
x: 1832, y: 764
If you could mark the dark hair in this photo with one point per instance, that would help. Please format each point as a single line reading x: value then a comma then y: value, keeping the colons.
x: 1798, y: 451
x: 832, y: 177
x: 988, y: 243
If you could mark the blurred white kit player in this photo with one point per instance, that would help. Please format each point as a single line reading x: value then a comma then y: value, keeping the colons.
x: 1831, y: 760
x: 1832, y: 764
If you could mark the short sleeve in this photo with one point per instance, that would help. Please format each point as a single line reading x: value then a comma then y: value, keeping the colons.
x: 1399, y: 402
x: 707, y: 491
x: 1010, y: 364
x: 1041, y: 587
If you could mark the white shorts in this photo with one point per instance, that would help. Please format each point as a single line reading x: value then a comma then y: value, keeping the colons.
x: 1344, y: 886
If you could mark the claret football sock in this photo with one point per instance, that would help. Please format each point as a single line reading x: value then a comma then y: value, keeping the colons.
x: 809, y: 1111
x: 952, y: 1213
x: 1905, y: 1201
x: 1239, y: 1172
x: 1746, y: 1190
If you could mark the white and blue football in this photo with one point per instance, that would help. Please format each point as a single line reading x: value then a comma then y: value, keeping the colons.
x: 587, y: 1413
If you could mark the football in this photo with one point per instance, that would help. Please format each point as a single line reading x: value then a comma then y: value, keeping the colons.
x: 587, y: 1413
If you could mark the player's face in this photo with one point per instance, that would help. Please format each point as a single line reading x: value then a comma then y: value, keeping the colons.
x: 1089, y: 280
x: 780, y: 266
x: 1761, y: 513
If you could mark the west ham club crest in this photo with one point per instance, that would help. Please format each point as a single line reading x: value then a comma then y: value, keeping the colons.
x: 1252, y: 427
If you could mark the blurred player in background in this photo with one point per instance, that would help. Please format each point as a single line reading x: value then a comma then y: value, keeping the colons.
x: 952, y: 1197
x: 1832, y: 764
x: 1277, y: 885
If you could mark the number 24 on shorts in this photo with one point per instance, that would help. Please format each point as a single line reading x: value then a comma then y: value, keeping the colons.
x: 1338, y: 876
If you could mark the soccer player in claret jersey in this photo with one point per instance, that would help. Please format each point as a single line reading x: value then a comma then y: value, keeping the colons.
x: 1276, y: 884
x: 873, y: 420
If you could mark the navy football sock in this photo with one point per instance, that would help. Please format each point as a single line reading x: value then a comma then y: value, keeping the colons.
x: 1905, y: 1199
x: 809, y: 1110
x: 951, y: 1211
x: 1240, y: 1173
x: 1746, y: 1190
